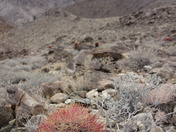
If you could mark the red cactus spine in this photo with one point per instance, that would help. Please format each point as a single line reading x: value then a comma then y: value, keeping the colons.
x: 73, y: 118
x: 75, y: 45
x: 49, y: 47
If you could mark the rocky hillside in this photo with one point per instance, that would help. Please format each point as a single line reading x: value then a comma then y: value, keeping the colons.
x: 22, y: 11
x: 4, y: 27
x: 111, y: 8
x: 122, y: 68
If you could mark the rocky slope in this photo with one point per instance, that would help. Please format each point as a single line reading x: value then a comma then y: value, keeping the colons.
x: 121, y: 67
x: 23, y: 11
x: 111, y: 8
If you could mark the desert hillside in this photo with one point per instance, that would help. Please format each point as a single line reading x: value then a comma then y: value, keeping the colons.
x: 95, y: 66
x: 112, y: 8
x: 20, y: 12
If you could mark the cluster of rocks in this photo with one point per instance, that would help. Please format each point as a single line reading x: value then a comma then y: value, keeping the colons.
x: 88, y: 76
x: 156, y: 16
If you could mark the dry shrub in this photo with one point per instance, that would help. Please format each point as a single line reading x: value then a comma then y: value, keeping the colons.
x: 138, y: 58
x: 73, y: 118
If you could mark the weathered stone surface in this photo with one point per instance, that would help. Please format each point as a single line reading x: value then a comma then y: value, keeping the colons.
x: 173, y: 119
x: 32, y: 123
x: 92, y: 94
x: 107, y: 53
x: 19, y: 129
x: 110, y: 93
x: 6, y: 129
x: 6, y: 113
x: 82, y: 93
x: 24, y: 105
x: 161, y: 117
x: 85, y: 102
x: 49, y: 89
x: 166, y: 72
x: 164, y: 94
x: 142, y: 121
x: 105, y: 84
x: 157, y: 129
x: 59, y: 98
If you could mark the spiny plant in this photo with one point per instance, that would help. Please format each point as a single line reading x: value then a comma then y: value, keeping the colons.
x: 76, y: 45
x: 73, y: 118
x: 97, y: 44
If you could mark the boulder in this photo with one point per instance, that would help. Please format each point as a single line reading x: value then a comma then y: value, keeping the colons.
x: 59, y: 98
x: 24, y: 105
x: 162, y: 96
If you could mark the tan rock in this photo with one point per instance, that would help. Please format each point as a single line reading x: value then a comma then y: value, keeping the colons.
x: 59, y: 65
x: 157, y: 129
x: 92, y: 94
x: 59, y: 98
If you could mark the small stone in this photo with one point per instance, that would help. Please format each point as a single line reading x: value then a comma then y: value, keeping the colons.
x: 82, y: 101
x: 147, y: 68
x: 140, y: 125
x: 109, y: 93
x: 92, y: 94
x: 157, y: 129
x: 59, y: 98
x: 11, y: 123
x: 68, y: 101
x: 61, y: 105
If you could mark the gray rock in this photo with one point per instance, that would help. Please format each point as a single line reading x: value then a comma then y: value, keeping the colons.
x: 86, y: 102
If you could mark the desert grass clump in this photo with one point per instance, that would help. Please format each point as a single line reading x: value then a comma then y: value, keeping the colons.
x: 73, y: 118
x: 138, y: 58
